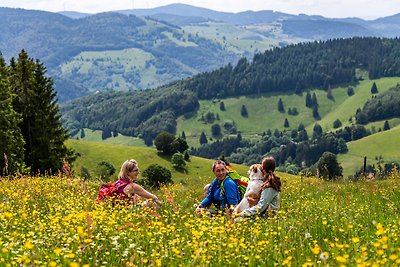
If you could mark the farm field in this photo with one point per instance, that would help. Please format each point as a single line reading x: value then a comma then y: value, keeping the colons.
x: 54, y: 221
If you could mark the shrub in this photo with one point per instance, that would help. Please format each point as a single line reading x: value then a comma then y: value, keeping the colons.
x: 156, y: 175
x: 328, y: 166
x: 178, y: 161
x: 105, y: 170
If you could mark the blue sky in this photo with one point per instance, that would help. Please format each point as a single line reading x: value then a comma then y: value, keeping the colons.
x: 366, y: 9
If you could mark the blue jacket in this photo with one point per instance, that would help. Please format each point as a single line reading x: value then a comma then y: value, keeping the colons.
x: 231, y: 197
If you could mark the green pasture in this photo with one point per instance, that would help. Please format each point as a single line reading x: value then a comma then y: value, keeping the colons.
x: 92, y: 153
x: 263, y: 111
x: 382, y: 144
x: 233, y: 38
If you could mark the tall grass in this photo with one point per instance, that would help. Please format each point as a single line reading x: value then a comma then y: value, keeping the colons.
x: 54, y: 221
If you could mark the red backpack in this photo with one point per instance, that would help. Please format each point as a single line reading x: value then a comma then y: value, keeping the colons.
x: 109, y: 190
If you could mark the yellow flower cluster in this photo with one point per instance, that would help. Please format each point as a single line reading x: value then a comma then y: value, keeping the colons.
x: 54, y: 221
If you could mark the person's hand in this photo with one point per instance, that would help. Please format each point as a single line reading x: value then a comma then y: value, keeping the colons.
x: 199, y: 209
x: 252, y: 201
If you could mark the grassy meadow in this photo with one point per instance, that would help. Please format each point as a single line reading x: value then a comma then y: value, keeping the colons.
x: 54, y: 221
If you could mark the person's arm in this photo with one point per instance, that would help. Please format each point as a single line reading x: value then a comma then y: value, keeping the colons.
x: 134, y: 188
x: 231, y: 192
x: 208, y: 200
x: 267, y: 195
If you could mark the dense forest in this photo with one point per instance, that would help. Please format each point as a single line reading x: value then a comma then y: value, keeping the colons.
x: 32, y: 135
x: 301, y: 66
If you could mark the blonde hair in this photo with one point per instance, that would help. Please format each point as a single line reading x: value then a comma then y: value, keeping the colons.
x: 128, y: 166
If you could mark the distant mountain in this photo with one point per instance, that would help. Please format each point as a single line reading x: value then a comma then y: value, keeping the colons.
x: 74, y: 14
x: 146, y: 48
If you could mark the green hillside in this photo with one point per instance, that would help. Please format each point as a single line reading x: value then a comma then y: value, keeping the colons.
x: 92, y: 153
x: 263, y: 111
x: 95, y: 135
x: 264, y: 115
x: 385, y: 144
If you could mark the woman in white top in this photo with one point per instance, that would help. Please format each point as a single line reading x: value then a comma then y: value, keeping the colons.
x: 270, y: 192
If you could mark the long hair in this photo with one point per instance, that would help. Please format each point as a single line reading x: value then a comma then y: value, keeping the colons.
x: 128, y: 166
x: 271, y: 180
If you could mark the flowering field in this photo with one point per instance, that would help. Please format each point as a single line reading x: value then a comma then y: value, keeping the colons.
x: 54, y: 221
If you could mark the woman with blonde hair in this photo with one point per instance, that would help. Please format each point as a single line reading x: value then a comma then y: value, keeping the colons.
x: 129, y: 190
x: 270, y: 192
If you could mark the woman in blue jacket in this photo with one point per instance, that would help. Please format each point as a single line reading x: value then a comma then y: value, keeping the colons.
x: 230, y: 195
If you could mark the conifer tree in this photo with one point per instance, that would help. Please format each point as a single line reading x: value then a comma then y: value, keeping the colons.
x: 386, y: 126
x: 286, y: 123
x: 309, y: 102
x: 82, y: 133
x: 41, y: 124
x: 203, y: 138
x: 374, y: 88
x: 222, y: 106
x: 280, y: 106
x: 314, y: 100
x: 243, y: 111
x: 11, y: 140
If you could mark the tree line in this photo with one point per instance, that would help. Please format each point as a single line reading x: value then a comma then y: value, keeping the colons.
x: 31, y: 132
x: 386, y: 105
x: 297, y: 67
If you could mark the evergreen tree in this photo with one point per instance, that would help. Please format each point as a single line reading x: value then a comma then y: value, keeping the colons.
x: 106, y: 133
x: 183, y: 135
x: 303, y: 136
x: 309, y: 102
x: 186, y: 155
x: 329, y: 93
x: 386, y: 126
x: 374, y: 88
x: 11, y: 139
x: 280, y: 106
x: 317, y: 131
x: 286, y: 123
x: 314, y: 100
x: 350, y: 91
x: 41, y: 124
x: 243, y: 111
x: 222, y: 106
x: 82, y: 133
x: 203, y: 138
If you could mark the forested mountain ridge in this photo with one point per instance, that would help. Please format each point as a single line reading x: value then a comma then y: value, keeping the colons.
x: 150, y: 48
x: 301, y: 66
x: 280, y: 71
x: 120, y: 46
